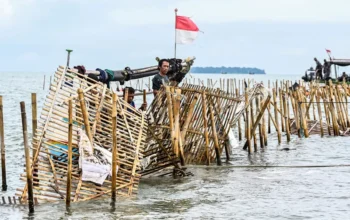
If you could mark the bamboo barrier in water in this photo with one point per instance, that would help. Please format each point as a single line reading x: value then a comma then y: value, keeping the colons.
x: 92, y: 114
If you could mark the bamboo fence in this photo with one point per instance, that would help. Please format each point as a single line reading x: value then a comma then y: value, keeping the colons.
x: 91, y: 111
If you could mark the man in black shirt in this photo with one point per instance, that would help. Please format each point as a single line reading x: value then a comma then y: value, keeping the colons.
x: 318, y: 69
x: 327, y: 70
x: 160, y: 79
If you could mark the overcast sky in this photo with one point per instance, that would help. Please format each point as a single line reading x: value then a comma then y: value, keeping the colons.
x: 280, y: 36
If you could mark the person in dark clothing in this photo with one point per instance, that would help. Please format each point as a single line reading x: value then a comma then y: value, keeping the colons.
x: 130, y: 100
x: 160, y: 79
x: 327, y: 70
x: 318, y: 69
x: 343, y: 76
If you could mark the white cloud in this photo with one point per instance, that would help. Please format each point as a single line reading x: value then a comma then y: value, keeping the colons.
x: 220, y: 11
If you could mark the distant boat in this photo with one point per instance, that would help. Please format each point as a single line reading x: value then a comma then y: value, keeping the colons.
x: 251, y: 73
x: 223, y: 72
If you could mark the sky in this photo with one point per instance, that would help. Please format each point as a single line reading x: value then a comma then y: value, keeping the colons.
x: 279, y: 36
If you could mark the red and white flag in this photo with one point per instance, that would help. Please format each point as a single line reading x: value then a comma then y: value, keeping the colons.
x: 328, y: 51
x: 186, y: 30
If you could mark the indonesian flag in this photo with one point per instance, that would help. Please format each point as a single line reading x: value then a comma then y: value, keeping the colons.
x: 186, y: 30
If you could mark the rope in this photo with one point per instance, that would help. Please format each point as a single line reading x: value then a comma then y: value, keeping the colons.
x: 273, y: 166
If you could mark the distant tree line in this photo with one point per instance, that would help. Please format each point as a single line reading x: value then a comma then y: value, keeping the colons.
x: 227, y: 70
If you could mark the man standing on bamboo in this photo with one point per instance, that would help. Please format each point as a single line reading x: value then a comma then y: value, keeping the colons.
x: 160, y: 79
x: 318, y: 69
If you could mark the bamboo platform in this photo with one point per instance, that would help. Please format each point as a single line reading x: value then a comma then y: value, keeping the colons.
x: 92, y: 115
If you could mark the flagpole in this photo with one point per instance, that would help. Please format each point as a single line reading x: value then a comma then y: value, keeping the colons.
x: 175, y: 32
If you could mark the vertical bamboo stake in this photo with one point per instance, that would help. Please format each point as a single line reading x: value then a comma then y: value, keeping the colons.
x: 114, y: 149
x: 247, y: 127
x: 281, y: 110
x: 216, y: 141
x: 326, y: 111
x: 34, y: 127
x: 264, y: 122
x: 126, y: 95
x: 239, y: 120
x: 319, y: 112
x: 70, y: 137
x: 268, y: 115
x: 34, y: 120
x: 274, y: 91
x: 27, y: 155
x: 303, y: 116
x: 178, y: 146
x: 261, y: 136
x: 85, y: 115
x: 2, y: 138
x: 170, y: 115
x: 286, y: 115
x: 205, y: 126
x: 334, y: 117
x: 251, y: 125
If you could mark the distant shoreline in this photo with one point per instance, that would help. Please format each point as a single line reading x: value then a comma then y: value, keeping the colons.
x: 227, y: 70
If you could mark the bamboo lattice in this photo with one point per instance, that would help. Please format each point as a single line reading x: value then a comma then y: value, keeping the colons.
x: 191, y: 123
x: 92, y: 113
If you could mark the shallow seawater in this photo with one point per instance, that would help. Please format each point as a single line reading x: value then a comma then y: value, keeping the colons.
x: 250, y: 191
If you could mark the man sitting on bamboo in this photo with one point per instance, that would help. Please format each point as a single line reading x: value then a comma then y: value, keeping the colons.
x: 160, y: 79
x: 130, y: 99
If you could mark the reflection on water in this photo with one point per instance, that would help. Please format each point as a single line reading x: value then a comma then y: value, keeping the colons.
x: 213, y: 192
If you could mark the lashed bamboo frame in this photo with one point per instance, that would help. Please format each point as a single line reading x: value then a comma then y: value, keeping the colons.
x: 92, y: 109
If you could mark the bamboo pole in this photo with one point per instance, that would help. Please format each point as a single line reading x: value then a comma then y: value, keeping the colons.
x: 34, y: 127
x: 176, y: 105
x: 85, y: 115
x: 264, y: 123
x: 2, y: 138
x: 319, y: 112
x: 69, y: 168
x: 286, y: 115
x: 302, y: 114
x: 251, y: 124
x: 274, y: 91
x: 170, y: 115
x: 216, y: 141
x: 34, y: 118
x: 239, y: 120
x: 27, y: 155
x: 268, y: 116
x: 261, y: 135
x: 205, y: 126
x: 281, y: 108
x: 126, y: 96
x: 114, y: 149
x: 247, y: 127
x: 334, y: 117
x: 326, y: 111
